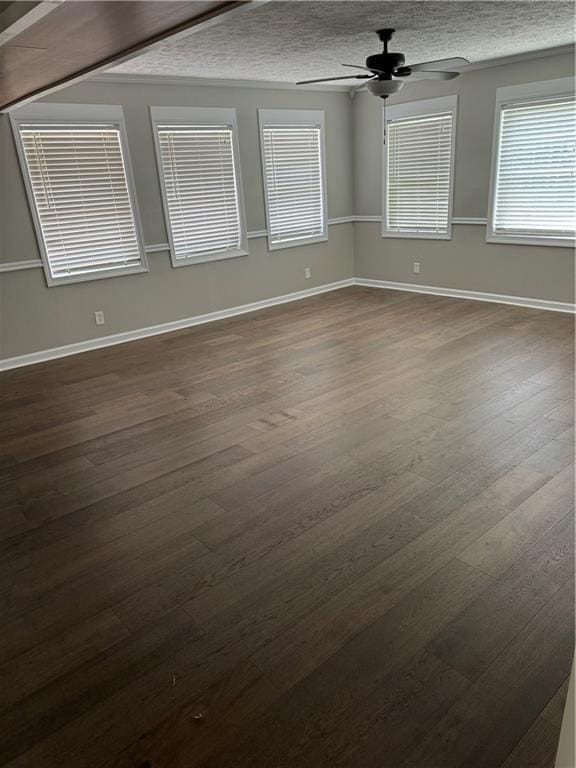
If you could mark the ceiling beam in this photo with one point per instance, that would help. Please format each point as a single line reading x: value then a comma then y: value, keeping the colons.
x: 21, y: 15
x: 60, y: 42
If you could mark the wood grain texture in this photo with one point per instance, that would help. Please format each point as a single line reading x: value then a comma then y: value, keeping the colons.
x: 78, y: 37
x: 333, y: 533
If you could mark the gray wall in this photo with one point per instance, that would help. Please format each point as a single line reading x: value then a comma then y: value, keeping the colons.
x: 34, y: 317
x: 467, y: 261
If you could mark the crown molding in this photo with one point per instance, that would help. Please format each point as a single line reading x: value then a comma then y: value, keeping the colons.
x: 128, y: 79
x: 141, y: 79
x: 515, y: 58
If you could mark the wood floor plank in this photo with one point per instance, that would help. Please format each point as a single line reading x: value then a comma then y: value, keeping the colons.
x: 537, y: 749
x: 488, y: 722
x: 334, y: 533
x: 330, y: 695
x: 471, y: 641
x: 554, y: 710
x: 512, y: 536
x: 48, y: 661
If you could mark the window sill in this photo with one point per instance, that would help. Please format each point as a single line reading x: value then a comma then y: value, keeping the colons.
x: 296, y: 242
x: 541, y: 241
x: 55, y: 281
x: 207, y: 257
x: 418, y: 235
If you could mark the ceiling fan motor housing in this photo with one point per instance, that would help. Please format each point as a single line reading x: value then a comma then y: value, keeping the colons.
x: 385, y: 62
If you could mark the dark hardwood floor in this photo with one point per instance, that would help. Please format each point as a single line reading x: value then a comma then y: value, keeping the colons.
x: 333, y: 533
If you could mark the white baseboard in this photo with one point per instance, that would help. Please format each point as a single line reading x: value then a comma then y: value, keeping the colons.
x: 176, y: 325
x: 155, y: 330
x: 497, y: 298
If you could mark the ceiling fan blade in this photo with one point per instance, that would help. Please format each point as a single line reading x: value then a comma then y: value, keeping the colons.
x: 357, y: 66
x: 429, y: 75
x: 439, y: 64
x: 340, y: 77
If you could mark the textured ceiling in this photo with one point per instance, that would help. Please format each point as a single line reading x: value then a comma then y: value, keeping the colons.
x: 290, y: 40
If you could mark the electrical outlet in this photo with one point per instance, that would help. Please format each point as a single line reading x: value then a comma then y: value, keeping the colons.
x: 99, y: 317
x: 307, y: 273
x: 416, y: 267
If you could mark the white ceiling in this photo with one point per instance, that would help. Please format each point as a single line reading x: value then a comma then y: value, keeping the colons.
x: 297, y: 39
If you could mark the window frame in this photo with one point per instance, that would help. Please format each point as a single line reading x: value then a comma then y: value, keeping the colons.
x: 543, y: 90
x: 88, y: 114
x: 192, y: 116
x: 421, y: 108
x: 296, y: 117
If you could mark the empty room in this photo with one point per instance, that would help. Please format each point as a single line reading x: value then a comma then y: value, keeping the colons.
x: 287, y: 383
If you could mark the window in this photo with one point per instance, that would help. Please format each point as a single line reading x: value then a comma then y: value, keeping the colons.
x: 418, y: 174
x: 198, y: 163
x: 79, y: 184
x: 533, y: 190
x: 293, y: 166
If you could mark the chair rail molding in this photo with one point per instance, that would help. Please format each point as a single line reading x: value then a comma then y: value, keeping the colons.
x: 15, y: 266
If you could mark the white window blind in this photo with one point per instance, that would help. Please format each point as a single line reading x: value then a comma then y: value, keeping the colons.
x: 418, y: 178
x: 201, y: 189
x: 293, y: 178
x: 535, y: 193
x: 80, y: 191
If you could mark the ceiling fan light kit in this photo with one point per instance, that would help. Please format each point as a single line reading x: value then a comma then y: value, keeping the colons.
x: 384, y: 88
x: 388, y: 72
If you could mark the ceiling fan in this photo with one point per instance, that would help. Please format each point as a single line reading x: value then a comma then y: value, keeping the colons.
x: 388, y: 72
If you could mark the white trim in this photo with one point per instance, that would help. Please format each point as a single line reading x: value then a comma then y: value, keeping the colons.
x: 469, y: 220
x: 544, y: 242
x: 140, y: 79
x: 190, y: 82
x: 420, y: 108
x: 505, y: 96
x: 455, y: 220
x: 194, y: 116
x: 541, y: 89
x: 155, y: 330
x: 158, y: 248
x: 14, y: 266
x: 497, y: 298
x: 331, y: 222
x: 302, y: 117
x: 42, y: 112
x: 412, y: 109
x: 514, y: 58
x: 298, y: 242
x: 342, y: 220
